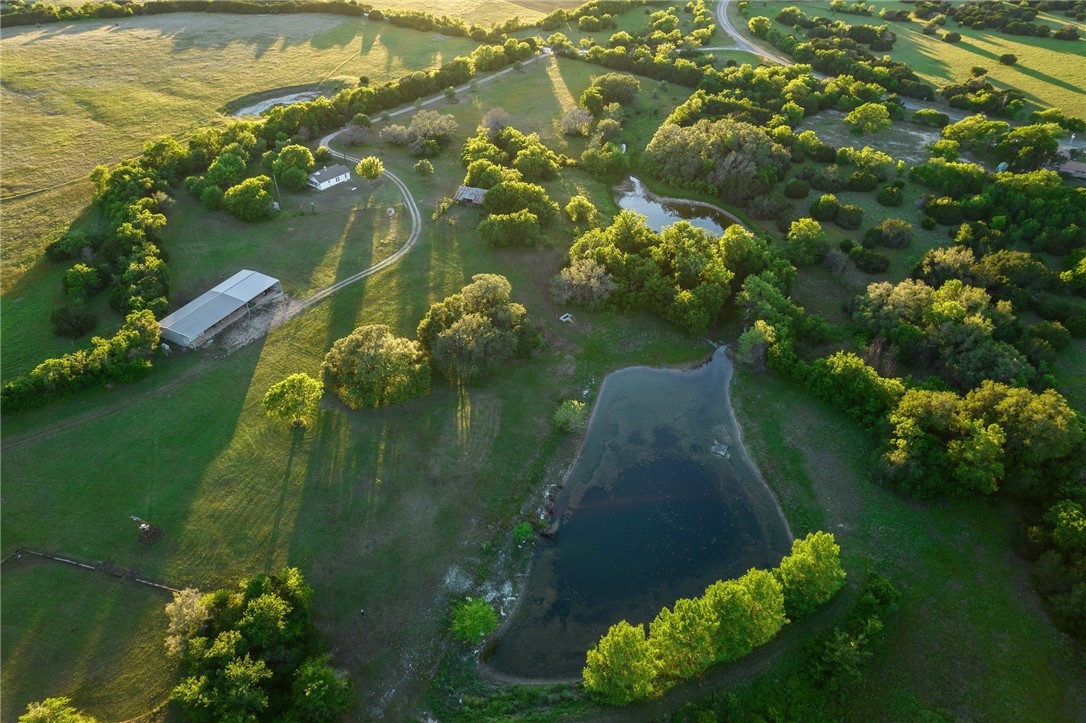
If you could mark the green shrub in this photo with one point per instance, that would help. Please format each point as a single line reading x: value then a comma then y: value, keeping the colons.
x: 849, y: 215
x: 868, y: 260
x: 890, y: 196
x: 797, y: 188
x: 571, y: 416
x: 473, y: 619
x: 73, y: 321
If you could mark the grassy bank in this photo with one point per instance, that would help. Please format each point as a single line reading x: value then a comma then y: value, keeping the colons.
x: 970, y: 640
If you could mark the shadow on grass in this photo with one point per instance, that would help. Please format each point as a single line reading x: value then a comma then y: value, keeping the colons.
x: 83, y: 635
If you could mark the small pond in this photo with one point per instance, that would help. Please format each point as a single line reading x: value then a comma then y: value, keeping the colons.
x: 633, y: 196
x: 259, y: 107
x: 662, y: 502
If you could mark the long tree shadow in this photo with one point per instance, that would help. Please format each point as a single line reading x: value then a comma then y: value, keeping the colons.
x: 297, y: 435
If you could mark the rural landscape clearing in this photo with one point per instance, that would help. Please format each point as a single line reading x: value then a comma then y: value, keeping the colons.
x: 527, y: 360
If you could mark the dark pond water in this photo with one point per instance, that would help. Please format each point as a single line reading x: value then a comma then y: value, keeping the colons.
x: 662, y: 502
x: 633, y: 196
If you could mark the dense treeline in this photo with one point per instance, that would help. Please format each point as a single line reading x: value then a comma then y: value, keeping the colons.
x: 123, y: 357
x: 726, y: 623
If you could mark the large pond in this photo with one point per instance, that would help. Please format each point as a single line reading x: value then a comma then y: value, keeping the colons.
x: 662, y: 502
x: 632, y: 195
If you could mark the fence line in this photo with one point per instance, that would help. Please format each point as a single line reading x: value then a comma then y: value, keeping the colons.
x: 106, y: 568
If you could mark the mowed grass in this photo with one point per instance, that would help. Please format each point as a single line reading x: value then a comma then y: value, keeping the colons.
x: 376, y: 507
x: 79, y: 94
x: 1048, y: 71
x: 970, y: 639
x: 69, y: 631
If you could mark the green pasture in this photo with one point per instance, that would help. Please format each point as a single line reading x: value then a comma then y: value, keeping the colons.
x: 69, y: 631
x: 1042, y: 72
x: 969, y: 640
x: 79, y: 94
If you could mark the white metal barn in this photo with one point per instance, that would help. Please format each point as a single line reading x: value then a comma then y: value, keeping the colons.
x: 211, y: 312
x: 328, y: 177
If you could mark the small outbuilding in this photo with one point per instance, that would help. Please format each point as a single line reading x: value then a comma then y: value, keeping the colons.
x: 470, y: 195
x: 328, y: 177
x: 1074, y: 169
x: 211, y: 312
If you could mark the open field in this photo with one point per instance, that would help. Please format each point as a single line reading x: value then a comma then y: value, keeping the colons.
x: 1041, y: 72
x: 79, y: 94
x: 970, y: 639
x: 81, y: 633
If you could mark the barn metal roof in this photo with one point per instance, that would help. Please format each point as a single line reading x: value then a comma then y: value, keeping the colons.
x: 205, y: 311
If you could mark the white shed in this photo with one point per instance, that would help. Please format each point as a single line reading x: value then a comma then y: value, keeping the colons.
x: 328, y: 177
x: 211, y: 312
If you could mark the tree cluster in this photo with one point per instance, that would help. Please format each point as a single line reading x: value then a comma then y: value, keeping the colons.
x: 684, y: 274
x: 471, y: 334
x: 726, y: 623
x: 729, y: 159
x: 256, y: 655
x: 428, y: 133
x: 372, y: 367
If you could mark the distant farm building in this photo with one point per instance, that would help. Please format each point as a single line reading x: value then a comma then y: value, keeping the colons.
x: 1074, y: 169
x: 470, y: 195
x: 328, y: 177
x: 211, y: 312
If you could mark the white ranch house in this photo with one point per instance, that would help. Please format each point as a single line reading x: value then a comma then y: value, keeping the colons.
x: 328, y: 177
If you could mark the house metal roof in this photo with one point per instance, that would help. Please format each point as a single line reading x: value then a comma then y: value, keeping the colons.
x: 205, y: 311
x: 328, y: 173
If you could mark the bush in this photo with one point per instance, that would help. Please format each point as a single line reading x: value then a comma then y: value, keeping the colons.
x: 952, y: 38
x: 1008, y: 59
x: 849, y: 216
x: 504, y: 230
x: 570, y: 416
x: 868, y: 260
x: 945, y: 210
x: 825, y: 208
x: 890, y: 196
x: 828, y: 178
x: 797, y: 188
x: 424, y: 168
x: 931, y: 117
x: 928, y: 223
x: 473, y: 620
x: 769, y: 206
x: 862, y: 181
x: 73, y: 321
x: 893, y: 232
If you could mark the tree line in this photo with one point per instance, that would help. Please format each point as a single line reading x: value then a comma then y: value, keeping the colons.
x: 726, y: 623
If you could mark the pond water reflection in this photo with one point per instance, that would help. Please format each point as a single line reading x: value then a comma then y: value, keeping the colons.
x: 633, y: 196
x: 661, y: 502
